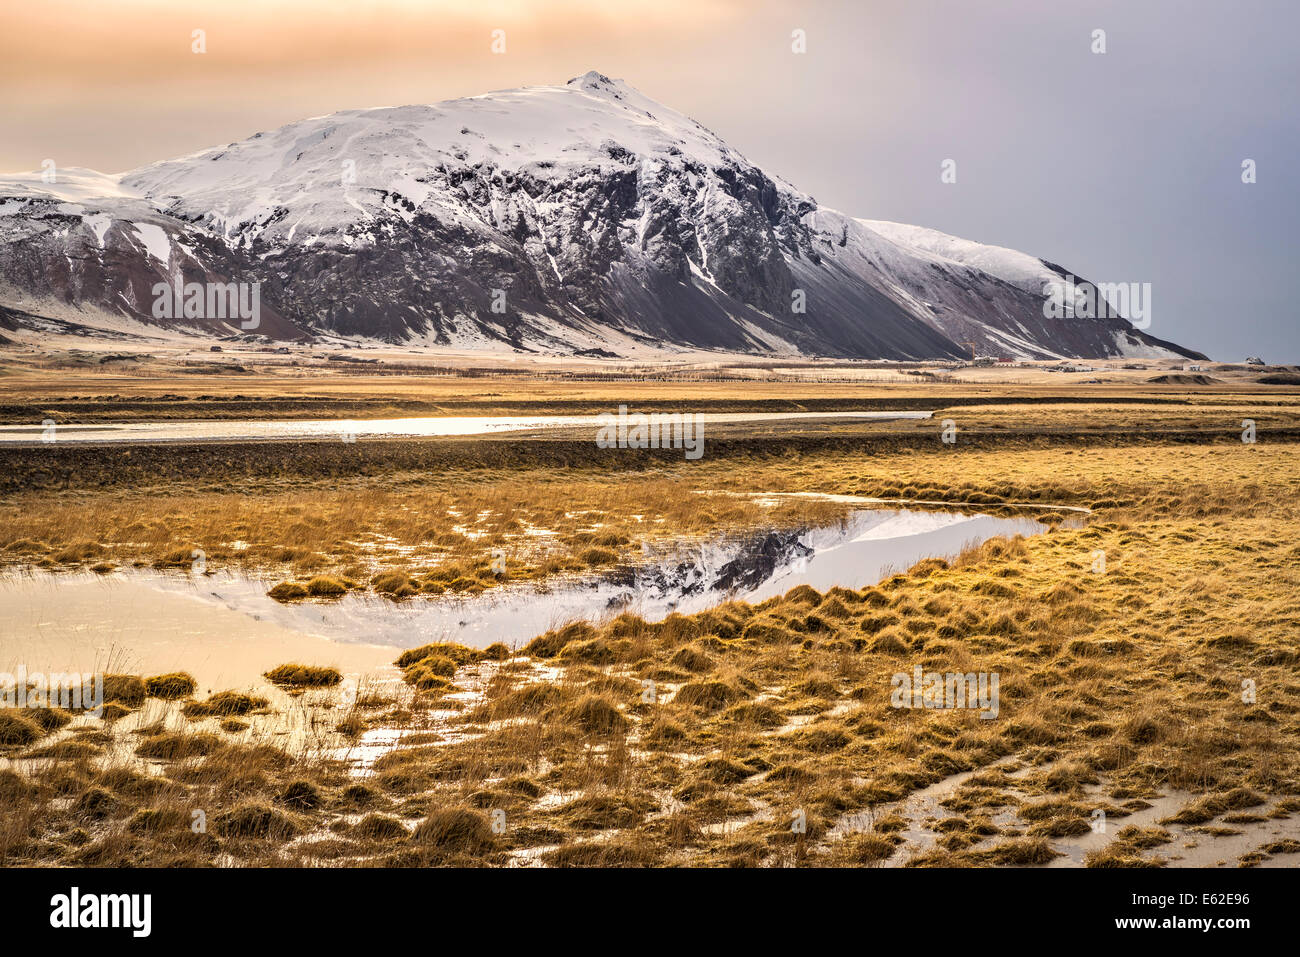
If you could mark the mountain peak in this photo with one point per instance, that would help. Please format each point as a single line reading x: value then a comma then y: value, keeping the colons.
x: 615, y: 89
x: 595, y: 82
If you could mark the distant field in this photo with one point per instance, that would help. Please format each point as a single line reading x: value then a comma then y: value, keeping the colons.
x: 314, y: 501
x: 1052, y: 403
x: 75, y: 382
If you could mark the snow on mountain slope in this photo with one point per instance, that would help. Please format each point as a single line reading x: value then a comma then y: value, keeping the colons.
x: 546, y: 218
x: 1020, y: 269
x: 308, y: 179
x: 71, y: 185
x: 1016, y: 334
x: 976, y: 293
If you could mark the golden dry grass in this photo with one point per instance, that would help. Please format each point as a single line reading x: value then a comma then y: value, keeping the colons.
x: 703, y: 739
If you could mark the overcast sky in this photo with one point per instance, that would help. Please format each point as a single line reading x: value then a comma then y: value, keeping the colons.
x: 1123, y: 167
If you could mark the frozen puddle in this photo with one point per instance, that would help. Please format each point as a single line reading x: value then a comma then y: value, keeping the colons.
x: 235, y: 430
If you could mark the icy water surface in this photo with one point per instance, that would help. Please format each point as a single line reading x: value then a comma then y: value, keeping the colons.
x: 224, y: 629
x: 235, y: 430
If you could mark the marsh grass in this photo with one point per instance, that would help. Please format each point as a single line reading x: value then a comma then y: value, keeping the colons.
x: 298, y: 676
x: 1114, y: 687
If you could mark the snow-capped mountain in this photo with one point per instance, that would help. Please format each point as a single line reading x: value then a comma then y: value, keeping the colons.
x: 561, y: 218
